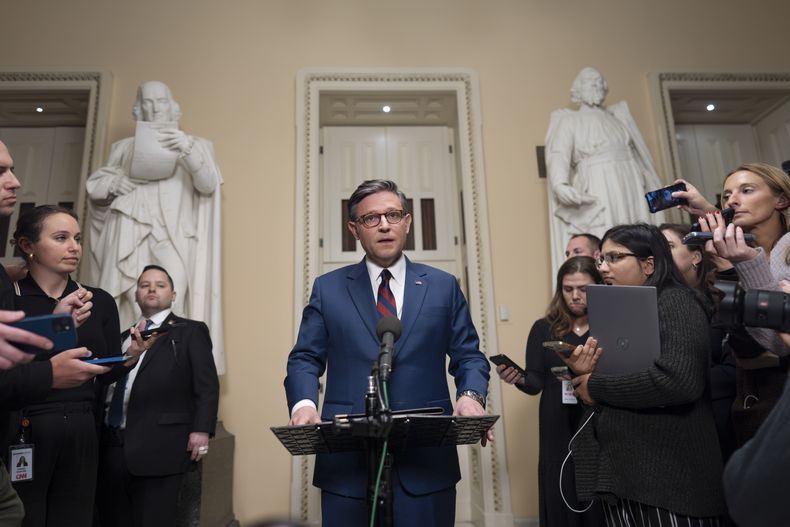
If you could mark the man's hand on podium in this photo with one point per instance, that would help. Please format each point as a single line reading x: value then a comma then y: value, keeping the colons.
x: 466, y: 406
x: 306, y: 415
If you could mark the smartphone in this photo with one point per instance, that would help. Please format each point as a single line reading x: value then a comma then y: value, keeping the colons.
x: 699, y: 238
x: 107, y: 360
x: 662, y: 198
x: 148, y: 333
x: 728, y: 214
x: 559, y: 346
x: 59, y: 328
x: 561, y: 373
x: 507, y: 361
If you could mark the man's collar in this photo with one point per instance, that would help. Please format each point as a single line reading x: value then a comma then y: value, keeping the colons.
x: 158, y: 318
x: 398, y: 269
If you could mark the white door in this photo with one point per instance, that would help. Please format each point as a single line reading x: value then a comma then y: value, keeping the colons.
x: 773, y: 134
x: 47, y: 163
x: 420, y: 160
x: 710, y: 152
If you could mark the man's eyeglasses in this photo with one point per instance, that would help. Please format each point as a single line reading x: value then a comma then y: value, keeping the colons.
x: 374, y: 218
x: 613, y: 257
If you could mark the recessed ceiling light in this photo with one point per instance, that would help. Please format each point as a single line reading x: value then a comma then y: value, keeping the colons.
x: 386, y: 109
x: 710, y: 107
x: 39, y: 109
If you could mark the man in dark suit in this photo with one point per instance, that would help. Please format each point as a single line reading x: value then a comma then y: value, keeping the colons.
x: 158, y: 419
x: 338, y: 333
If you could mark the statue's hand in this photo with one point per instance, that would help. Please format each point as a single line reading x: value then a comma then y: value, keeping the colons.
x: 122, y: 185
x: 175, y: 139
x: 570, y: 197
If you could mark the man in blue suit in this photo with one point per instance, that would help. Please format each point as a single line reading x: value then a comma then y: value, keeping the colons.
x: 338, y: 334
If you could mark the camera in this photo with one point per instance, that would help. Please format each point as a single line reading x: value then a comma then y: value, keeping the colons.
x: 757, y: 308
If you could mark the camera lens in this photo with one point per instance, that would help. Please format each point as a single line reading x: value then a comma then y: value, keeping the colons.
x: 61, y: 325
x: 755, y: 308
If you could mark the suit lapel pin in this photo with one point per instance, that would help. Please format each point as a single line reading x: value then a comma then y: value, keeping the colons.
x: 418, y: 282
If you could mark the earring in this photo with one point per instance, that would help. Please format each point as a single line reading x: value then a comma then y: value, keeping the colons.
x: 31, y: 256
x: 694, y: 266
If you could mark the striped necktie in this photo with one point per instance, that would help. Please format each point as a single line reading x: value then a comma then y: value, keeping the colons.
x: 385, y: 302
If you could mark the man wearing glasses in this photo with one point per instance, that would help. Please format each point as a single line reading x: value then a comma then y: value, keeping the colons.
x: 338, y: 333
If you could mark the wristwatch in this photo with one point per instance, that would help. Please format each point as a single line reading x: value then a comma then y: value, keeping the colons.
x: 474, y: 395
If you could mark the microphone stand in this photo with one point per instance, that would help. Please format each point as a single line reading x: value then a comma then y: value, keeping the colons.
x: 375, y: 427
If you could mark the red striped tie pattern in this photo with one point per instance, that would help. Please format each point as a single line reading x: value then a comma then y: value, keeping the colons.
x: 385, y: 302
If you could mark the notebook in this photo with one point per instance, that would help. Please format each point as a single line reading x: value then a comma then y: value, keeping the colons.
x: 624, y: 320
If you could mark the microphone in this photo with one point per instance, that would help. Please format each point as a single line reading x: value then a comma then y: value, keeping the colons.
x: 728, y: 214
x: 388, y: 331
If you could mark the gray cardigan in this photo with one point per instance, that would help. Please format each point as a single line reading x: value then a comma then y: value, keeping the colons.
x: 653, y: 438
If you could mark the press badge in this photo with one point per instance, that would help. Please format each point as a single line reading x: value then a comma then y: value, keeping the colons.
x: 20, y: 462
x: 567, y: 393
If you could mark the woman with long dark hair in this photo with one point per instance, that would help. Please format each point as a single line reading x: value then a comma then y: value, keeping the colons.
x: 649, y: 449
x: 566, y: 320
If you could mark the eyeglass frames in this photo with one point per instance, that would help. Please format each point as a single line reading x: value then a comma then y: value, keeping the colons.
x: 613, y: 257
x: 373, y: 219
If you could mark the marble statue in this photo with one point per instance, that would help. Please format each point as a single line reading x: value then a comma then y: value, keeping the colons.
x: 598, y: 167
x: 158, y: 202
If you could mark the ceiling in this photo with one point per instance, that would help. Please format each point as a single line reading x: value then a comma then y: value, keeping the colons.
x: 60, y: 108
x: 732, y: 106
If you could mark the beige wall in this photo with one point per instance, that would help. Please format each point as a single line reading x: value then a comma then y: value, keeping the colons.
x: 232, y: 65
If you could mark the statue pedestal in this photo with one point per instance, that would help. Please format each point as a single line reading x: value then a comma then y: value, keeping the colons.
x: 206, y: 498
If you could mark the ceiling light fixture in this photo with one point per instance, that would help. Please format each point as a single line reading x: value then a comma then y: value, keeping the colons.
x: 386, y: 109
x: 710, y: 107
x: 39, y: 109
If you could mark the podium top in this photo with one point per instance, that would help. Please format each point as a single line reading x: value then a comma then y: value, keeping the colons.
x: 408, y: 431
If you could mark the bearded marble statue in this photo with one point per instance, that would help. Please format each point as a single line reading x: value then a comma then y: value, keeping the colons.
x: 157, y: 201
x: 598, y: 167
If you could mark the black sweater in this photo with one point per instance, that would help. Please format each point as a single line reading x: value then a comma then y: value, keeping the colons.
x: 653, y: 438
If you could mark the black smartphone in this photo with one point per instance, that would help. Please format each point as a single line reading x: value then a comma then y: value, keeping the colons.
x: 148, y: 333
x: 559, y: 346
x: 507, y: 361
x: 59, y: 328
x: 662, y: 198
x: 699, y: 238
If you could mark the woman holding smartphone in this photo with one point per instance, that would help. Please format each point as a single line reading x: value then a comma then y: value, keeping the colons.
x: 649, y: 449
x: 760, y: 195
x: 565, y: 320
x: 62, y: 427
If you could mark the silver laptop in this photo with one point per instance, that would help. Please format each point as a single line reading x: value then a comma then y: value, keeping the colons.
x: 624, y: 320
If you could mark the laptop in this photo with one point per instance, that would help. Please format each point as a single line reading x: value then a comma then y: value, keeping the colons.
x: 624, y: 320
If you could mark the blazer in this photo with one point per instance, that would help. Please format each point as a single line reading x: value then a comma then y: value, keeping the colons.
x: 338, y: 334
x: 176, y: 392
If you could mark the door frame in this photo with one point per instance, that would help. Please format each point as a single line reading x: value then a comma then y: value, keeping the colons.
x: 662, y: 83
x: 489, y: 481
x: 98, y: 83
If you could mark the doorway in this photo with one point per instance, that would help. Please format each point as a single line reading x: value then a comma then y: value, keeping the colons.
x: 484, y: 493
x: 711, y: 123
x: 70, y: 130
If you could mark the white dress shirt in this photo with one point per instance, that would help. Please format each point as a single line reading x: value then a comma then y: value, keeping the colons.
x: 397, y: 286
x: 157, y: 320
